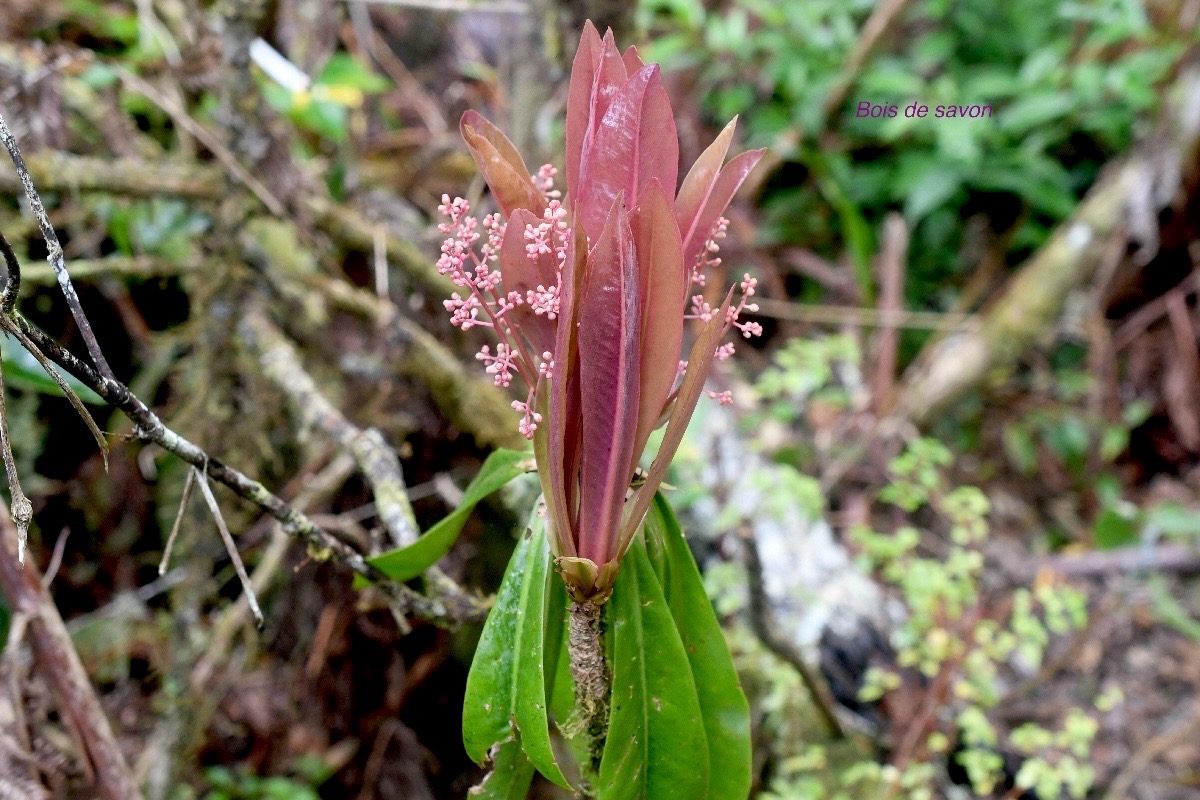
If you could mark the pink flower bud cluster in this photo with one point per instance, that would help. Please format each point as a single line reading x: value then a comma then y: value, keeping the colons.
x: 488, y: 304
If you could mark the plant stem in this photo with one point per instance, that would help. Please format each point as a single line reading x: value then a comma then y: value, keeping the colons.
x: 585, y: 644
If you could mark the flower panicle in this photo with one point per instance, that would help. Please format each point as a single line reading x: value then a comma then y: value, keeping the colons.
x: 471, y: 267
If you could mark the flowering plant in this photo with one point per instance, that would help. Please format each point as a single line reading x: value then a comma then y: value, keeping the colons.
x: 588, y: 296
x: 624, y: 670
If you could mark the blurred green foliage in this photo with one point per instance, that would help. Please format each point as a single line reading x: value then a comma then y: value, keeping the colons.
x: 239, y: 783
x: 1071, y: 84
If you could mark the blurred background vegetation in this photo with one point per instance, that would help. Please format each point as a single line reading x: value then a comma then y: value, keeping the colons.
x: 959, y: 492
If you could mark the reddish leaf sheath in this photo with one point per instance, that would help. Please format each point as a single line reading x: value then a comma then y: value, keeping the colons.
x: 719, y: 197
x: 596, y: 74
x: 634, y: 143
x: 562, y: 432
x: 522, y: 273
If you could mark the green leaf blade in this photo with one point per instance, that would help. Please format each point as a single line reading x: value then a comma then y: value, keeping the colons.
x: 506, y: 687
x: 529, y: 701
x: 656, y: 744
x: 722, y: 703
x: 510, y: 778
x: 406, y: 563
x: 487, y: 705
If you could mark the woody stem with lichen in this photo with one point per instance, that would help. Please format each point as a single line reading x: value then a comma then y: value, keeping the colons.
x: 585, y: 646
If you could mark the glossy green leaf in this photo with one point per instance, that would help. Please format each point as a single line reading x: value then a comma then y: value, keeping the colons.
x: 511, y: 775
x: 722, y: 703
x: 656, y: 744
x: 506, y: 688
x: 406, y: 563
x: 936, y: 186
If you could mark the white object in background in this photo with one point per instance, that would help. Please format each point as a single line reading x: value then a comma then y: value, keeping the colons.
x: 278, y: 68
x: 810, y: 579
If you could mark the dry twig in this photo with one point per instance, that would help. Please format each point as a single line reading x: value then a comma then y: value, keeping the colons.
x: 59, y: 664
x: 1151, y: 749
x: 230, y: 547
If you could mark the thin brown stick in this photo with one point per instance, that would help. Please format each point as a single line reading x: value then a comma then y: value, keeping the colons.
x: 811, y: 265
x: 60, y: 547
x: 1151, y: 749
x: 210, y: 140
x: 183, y: 501
x: 866, y: 317
x: 7, y: 325
x: 316, y: 489
x: 872, y: 33
x: 22, y: 509
x: 1133, y: 325
x: 59, y: 665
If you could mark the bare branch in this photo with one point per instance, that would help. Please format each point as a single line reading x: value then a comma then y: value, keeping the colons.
x: 7, y: 324
x: 183, y: 501
x: 446, y: 609
x: 54, y: 254
x: 22, y: 509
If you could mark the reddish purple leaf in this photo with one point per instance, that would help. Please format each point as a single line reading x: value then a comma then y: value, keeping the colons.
x: 699, y: 361
x: 501, y: 165
x: 635, y: 142
x: 633, y: 62
x: 596, y: 74
x: 698, y: 184
x: 723, y: 190
x: 609, y: 377
x: 662, y: 284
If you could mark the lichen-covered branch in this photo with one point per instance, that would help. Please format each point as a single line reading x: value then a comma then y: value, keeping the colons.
x: 379, y: 464
x: 57, y: 171
x: 444, y: 610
